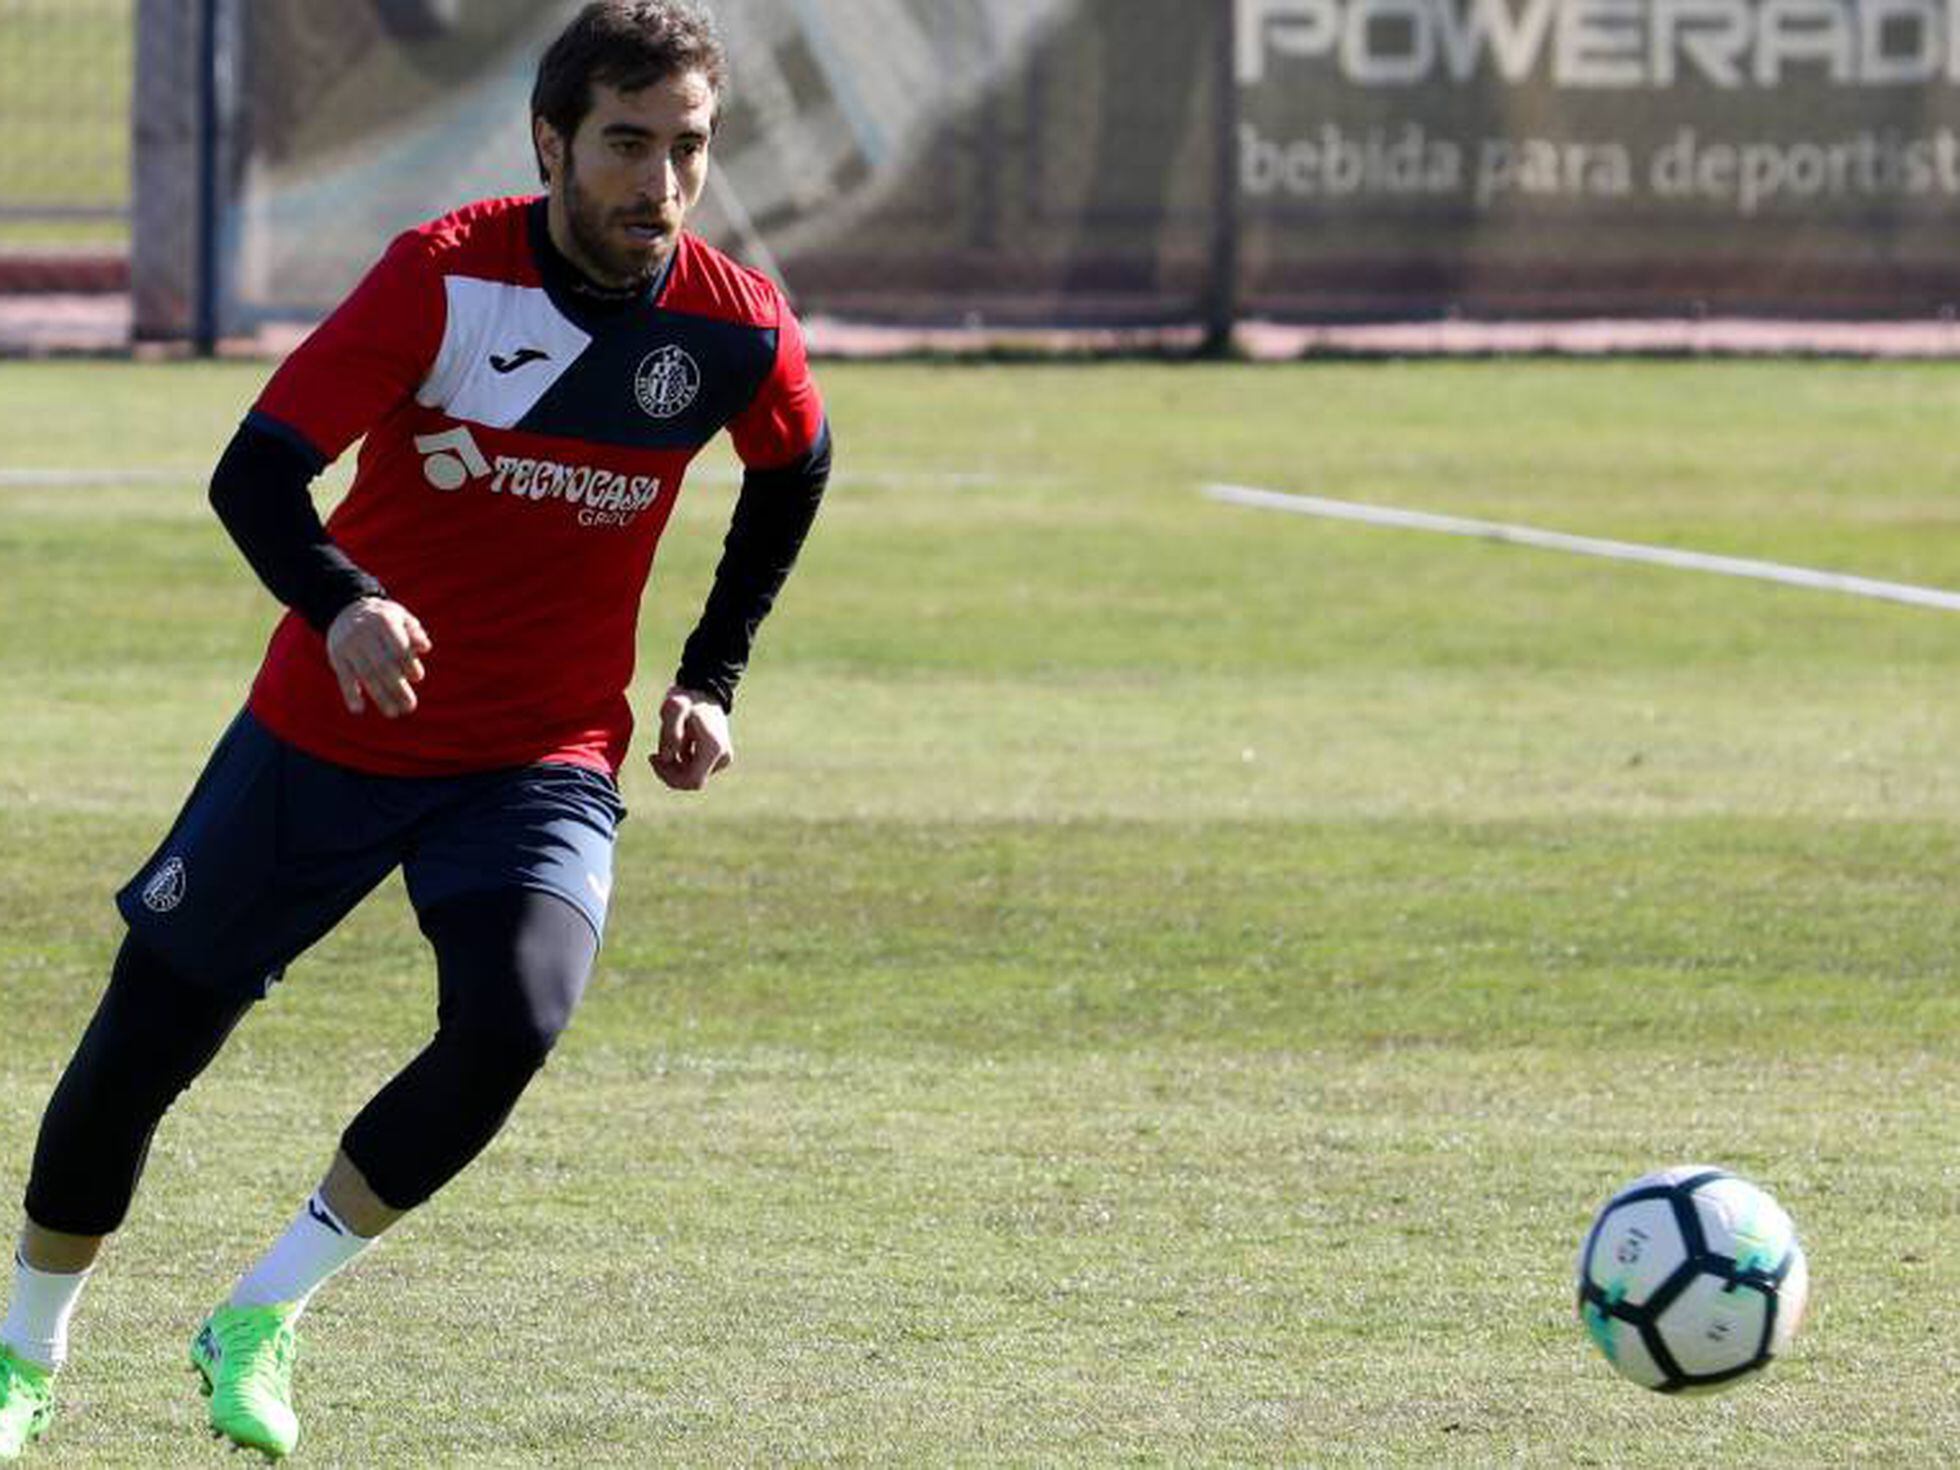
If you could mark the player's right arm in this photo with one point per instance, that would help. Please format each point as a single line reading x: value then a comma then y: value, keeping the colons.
x: 261, y: 492
x: 363, y: 360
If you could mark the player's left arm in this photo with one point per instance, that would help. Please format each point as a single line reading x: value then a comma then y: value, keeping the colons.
x: 773, y: 516
x: 785, y: 442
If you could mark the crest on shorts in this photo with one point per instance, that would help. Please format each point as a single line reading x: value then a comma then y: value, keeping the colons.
x: 666, y: 382
x: 165, y: 890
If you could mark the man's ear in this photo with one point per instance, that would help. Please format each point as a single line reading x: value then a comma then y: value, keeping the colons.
x: 550, y: 149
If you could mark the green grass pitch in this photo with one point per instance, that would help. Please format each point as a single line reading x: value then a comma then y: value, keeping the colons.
x: 1163, y: 984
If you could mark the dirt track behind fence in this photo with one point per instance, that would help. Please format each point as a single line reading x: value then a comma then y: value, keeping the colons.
x: 48, y: 325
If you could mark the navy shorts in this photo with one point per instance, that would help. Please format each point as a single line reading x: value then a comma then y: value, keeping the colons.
x: 273, y: 848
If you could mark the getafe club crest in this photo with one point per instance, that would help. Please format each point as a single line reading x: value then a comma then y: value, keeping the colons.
x: 666, y: 382
x: 165, y: 890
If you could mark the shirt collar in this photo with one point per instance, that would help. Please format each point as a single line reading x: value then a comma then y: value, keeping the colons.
x: 577, y: 294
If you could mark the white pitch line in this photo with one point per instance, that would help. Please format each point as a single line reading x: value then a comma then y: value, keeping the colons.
x: 56, y: 478
x: 874, y: 479
x: 1696, y: 561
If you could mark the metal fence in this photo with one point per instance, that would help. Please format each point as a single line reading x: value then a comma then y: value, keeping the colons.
x: 907, y: 160
x: 65, y: 68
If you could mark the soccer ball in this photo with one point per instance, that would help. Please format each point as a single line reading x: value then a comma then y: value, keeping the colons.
x: 1691, y: 1280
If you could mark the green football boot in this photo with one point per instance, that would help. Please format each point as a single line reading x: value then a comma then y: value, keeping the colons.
x: 26, y: 1403
x: 246, y: 1357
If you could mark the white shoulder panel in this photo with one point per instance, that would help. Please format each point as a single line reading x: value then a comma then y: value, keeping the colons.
x: 502, y: 347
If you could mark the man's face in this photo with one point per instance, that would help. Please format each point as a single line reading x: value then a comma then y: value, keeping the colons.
x: 623, y: 187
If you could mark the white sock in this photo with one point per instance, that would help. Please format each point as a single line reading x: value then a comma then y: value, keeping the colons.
x: 37, y: 1320
x: 317, y: 1244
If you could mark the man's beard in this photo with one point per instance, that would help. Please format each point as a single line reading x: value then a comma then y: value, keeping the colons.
x: 587, y: 221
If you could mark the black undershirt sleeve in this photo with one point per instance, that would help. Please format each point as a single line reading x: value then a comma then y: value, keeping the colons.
x: 773, y: 515
x: 259, y: 491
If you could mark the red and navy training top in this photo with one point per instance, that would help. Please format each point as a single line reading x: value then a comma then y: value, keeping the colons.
x: 524, y: 449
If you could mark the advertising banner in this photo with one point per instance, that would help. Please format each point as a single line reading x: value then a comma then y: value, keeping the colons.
x: 1509, y: 157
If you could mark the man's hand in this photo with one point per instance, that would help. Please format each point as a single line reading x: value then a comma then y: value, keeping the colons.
x: 375, y: 647
x: 694, y: 740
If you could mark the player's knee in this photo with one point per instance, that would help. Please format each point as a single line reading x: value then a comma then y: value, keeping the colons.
x: 154, y: 1030
x: 511, y: 1019
x: 548, y: 991
x: 513, y: 1024
x: 506, y: 1043
x: 513, y: 967
x: 152, y: 1033
x: 140, y: 971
